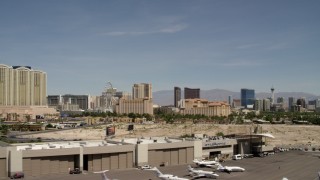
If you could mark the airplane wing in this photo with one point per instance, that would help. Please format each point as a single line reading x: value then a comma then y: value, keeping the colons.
x: 211, y: 166
x: 103, y: 174
x: 198, y: 176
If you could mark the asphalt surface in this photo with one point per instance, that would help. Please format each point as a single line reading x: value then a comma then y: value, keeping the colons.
x: 294, y: 165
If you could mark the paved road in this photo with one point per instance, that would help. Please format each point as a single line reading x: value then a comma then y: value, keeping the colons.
x: 295, y: 165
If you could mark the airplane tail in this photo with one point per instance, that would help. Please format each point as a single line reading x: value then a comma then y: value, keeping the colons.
x: 220, y: 166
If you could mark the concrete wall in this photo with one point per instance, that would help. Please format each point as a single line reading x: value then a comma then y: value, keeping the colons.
x: 142, y: 154
x: 108, y: 149
x: 197, y: 149
x: 15, y: 161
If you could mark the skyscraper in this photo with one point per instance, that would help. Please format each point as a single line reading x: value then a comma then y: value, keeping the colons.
x: 291, y: 102
x: 302, y: 102
x: 191, y: 93
x: 247, y: 97
x: 142, y: 91
x: 177, y: 96
x: 230, y: 101
x: 22, y: 86
x: 258, y: 105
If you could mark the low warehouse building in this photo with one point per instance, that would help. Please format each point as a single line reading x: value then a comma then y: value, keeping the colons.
x: 163, y: 151
x: 60, y: 157
x: 35, y: 159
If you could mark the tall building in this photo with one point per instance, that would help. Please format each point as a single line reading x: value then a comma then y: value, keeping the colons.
x: 205, y: 107
x: 230, y: 101
x: 23, y: 93
x: 22, y: 86
x: 291, y: 102
x: 272, y: 95
x: 302, y: 102
x: 280, y: 100
x: 142, y: 91
x: 141, y: 102
x: 266, y: 105
x: 177, y: 96
x: 190, y: 93
x: 258, y: 105
x: 137, y: 106
x: 247, y: 97
x: 317, y: 103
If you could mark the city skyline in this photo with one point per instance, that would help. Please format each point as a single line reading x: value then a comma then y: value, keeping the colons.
x: 82, y: 45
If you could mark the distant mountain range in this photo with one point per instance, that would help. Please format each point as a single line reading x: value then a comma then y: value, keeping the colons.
x: 165, y: 97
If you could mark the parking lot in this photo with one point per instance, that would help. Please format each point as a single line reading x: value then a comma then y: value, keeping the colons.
x: 294, y: 165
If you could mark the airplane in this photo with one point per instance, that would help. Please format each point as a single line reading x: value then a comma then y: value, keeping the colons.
x: 203, y: 163
x: 230, y: 169
x: 103, y: 174
x: 201, y: 173
x: 166, y: 176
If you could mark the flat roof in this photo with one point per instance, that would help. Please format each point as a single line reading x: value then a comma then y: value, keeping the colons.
x: 150, y: 140
x: 59, y: 145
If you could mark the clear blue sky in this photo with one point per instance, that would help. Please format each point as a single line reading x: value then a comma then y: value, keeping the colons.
x: 207, y: 44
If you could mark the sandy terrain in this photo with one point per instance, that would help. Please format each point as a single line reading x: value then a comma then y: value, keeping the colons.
x: 284, y: 134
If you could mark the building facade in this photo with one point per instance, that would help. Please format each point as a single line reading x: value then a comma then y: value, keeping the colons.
x: 23, y: 93
x: 177, y: 96
x: 247, y: 97
x: 204, y: 107
x: 266, y: 105
x: 58, y: 157
x: 190, y: 93
x: 22, y: 86
x: 137, y: 106
x: 258, y: 105
x: 142, y: 91
x: 68, y: 102
x: 291, y: 102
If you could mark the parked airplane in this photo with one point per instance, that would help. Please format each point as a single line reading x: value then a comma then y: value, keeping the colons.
x: 203, y: 163
x: 166, y: 176
x: 229, y: 169
x: 103, y: 175
x: 201, y: 173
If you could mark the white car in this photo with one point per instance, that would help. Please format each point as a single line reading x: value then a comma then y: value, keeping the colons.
x: 145, y: 167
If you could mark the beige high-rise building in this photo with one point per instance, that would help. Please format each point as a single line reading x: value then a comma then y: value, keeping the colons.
x: 23, y: 91
x: 22, y: 86
x: 137, y: 106
x: 204, y: 107
x: 141, y: 102
x: 142, y: 91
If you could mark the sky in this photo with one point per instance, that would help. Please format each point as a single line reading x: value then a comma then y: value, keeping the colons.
x: 208, y: 44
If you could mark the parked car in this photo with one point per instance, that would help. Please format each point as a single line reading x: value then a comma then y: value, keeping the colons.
x: 17, y: 175
x: 237, y: 157
x: 75, y: 171
x: 145, y: 167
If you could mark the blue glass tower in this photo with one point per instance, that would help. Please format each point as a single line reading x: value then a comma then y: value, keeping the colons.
x: 247, y: 97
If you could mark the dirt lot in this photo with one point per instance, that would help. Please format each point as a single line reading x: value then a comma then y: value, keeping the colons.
x: 284, y: 134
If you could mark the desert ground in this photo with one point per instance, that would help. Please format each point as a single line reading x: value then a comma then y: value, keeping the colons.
x: 284, y: 134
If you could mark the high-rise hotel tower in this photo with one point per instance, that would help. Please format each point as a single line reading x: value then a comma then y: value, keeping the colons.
x: 22, y: 86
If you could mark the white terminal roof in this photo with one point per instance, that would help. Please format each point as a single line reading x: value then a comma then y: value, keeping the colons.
x: 59, y: 145
x: 150, y: 140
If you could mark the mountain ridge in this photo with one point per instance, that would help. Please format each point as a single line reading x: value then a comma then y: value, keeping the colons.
x: 165, y: 97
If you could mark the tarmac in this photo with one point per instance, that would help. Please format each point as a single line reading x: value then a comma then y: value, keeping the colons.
x: 294, y: 165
